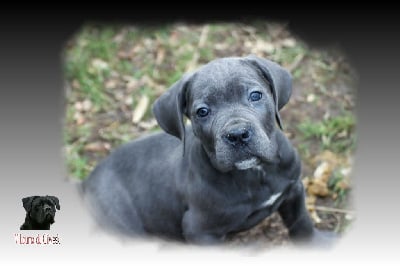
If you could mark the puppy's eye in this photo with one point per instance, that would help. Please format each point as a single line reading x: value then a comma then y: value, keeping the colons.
x: 203, y: 112
x: 255, y: 96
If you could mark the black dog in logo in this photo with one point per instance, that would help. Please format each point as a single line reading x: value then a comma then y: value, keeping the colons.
x: 40, y: 212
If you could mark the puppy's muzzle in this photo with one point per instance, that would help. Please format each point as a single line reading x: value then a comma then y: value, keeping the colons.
x: 48, y: 210
x: 238, y: 134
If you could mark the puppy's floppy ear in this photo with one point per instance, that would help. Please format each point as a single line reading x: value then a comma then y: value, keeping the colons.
x: 279, y: 79
x: 55, y: 201
x: 27, y: 202
x: 170, y: 107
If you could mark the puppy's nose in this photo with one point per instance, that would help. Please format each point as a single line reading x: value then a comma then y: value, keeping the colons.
x: 47, y: 208
x: 238, y: 135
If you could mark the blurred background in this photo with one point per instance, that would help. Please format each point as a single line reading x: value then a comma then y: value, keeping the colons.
x: 113, y: 73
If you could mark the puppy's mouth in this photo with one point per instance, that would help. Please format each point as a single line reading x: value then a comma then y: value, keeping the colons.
x: 248, y: 163
x: 49, y: 216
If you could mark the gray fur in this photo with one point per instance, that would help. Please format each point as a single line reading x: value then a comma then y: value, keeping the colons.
x: 204, y: 182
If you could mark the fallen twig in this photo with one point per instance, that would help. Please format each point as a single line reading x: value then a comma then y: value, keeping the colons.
x: 202, y: 41
x: 296, y: 62
x: 330, y: 209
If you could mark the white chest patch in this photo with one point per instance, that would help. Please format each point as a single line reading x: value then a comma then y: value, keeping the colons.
x: 271, y: 200
x: 258, y: 168
x: 246, y: 164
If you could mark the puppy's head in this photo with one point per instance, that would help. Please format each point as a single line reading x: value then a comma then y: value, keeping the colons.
x: 233, y: 105
x: 42, y: 210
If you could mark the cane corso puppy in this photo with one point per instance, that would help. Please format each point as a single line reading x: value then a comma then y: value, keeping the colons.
x: 40, y: 212
x: 225, y: 173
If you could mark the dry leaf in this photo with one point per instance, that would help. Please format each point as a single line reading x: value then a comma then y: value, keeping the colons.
x: 86, y: 105
x: 327, y: 115
x: 345, y: 171
x: 323, y: 171
x: 132, y: 85
x: 173, y: 38
x: 79, y: 118
x: 123, y: 55
x: 203, y: 36
x: 119, y: 95
x: 160, y: 56
x: 310, y: 97
x: 343, y: 184
x: 310, y: 202
x: 146, y: 125
x: 97, y: 147
x: 306, y: 181
x: 128, y: 100
x: 349, y: 216
x: 193, y: 63
x: 318, y: 185
x: 140, y: 109
x: 78, y: 106
x: 342, y: 134
x: 259, y: 46
x: 318, y: 188
x: 333, y: 159
x: 99, y: 64
x: 136, y: 50
x: 263, y: 46
x: 111, y: 84
x: 221, y: 46
x: 289, y: 42
x: 75, y: 84
x: 148, y: 81
x: 289, y: 134
x: 315, y: 217
x: 120, y: 37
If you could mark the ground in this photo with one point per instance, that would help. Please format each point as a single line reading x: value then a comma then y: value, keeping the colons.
x: 114, y: 73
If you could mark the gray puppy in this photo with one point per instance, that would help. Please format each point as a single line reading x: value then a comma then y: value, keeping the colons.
x: 225, y: 173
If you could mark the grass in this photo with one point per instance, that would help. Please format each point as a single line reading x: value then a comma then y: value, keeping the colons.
x: 339, y: 185
x: 98, y: 55
x: 108, y: 69
x: 80, y: 65
x: 77, y: 164
x: 334, y: 133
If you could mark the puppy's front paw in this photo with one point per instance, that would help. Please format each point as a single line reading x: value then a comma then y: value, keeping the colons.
x: 322, y: 239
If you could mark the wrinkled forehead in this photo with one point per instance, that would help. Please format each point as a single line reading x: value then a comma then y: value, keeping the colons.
x: 42, y: 200
x: 224, y: 78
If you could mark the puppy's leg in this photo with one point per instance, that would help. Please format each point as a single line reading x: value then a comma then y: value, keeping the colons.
x: 301, y: 229
x: 295, y: 216
x: 194, y: 226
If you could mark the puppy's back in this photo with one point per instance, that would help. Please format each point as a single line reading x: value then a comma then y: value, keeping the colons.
x: 120, y: 185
